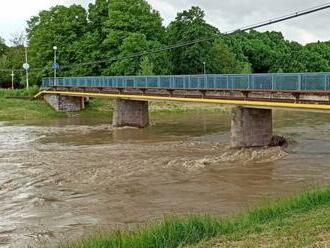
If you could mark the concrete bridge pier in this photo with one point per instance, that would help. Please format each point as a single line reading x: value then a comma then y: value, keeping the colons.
x: 251, y: 127
x: 130, y: 113
x: 65, y: 103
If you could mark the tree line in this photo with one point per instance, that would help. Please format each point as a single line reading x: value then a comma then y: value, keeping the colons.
x: 110, y: 29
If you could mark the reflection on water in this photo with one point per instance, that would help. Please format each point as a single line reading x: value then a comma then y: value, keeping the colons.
x: 64, y: 179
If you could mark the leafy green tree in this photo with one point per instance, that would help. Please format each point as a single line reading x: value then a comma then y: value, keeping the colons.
x: 4, y: 75
x: 3, y: 61
x: 3, y: 46
x: 322, y: 49
x: 188, y: 26
x: 98, y: 15
x: 287, y: 60
x: 112, y: 30
x: 127, y: 20
x: 91, y: 46
x: 133, y: 16
x: 60, y: 26
x: 11, y: 58
x: 221, y: 60
x: 314, y: 62
x: 146, y: 67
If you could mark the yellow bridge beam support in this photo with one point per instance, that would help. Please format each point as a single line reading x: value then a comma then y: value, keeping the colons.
x: 260, y: 104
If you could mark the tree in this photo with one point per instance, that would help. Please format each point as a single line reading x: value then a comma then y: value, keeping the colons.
x: 129, y: 19
x: 146, y: 67
x: 18, y: 39
x: 60, y: 26
x: 188, y: 26
x: 98, y: 15
x: 221, y: 60
x: 321, y: 48
x: 3, y: 46
x: 288, y: 61
x: 313, y: 61
x: 11, y: 58
x: 261, y: 49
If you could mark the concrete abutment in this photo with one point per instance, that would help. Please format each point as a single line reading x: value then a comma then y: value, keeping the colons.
x: 65, y: 103
x: 251, y: 127
x: 130, y: 113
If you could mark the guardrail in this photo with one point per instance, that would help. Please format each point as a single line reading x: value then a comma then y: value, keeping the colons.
x: 276, y: 81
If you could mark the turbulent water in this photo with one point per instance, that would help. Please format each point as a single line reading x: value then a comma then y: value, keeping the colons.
x: 64, y: 179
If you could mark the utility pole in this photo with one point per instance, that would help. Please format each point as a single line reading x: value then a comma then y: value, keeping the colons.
x: 12, y: 79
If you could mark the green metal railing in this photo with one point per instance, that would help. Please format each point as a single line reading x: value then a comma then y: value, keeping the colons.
x: 276, y: 81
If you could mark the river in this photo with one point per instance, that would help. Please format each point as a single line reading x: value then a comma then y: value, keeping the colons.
x: 67, y: 178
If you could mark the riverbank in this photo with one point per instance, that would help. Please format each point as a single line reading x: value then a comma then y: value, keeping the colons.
x: 16, y: 105
x: 294, y: 222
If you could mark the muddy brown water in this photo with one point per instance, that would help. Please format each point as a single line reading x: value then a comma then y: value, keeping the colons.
x: 64, y: 179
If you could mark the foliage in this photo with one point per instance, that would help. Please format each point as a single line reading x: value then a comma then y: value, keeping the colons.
x: 146, y: 67
x: 3, y: 46
x: 60, y: 26
x: 132, y: 26
x: 111, y: 31
x: 221, y: 60
x: 11, y: 58
x: 188, y: 26
x: 179, y: 232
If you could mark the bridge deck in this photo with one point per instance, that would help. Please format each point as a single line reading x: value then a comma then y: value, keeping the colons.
x: 278, y: 81
x: 300, y: 91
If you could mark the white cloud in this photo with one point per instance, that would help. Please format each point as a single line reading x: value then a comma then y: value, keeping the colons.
x: 226, y: 15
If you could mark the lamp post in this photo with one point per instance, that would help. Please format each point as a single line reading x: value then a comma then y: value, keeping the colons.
x: 55, y: 63
x: 26, y: 67
x: 205, y: 78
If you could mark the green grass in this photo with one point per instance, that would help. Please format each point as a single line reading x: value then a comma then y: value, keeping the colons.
x: 305, y: 229
x: 15, y: 109
x: 179, y: 232
x: 23, y: 109
x: 19, y: 92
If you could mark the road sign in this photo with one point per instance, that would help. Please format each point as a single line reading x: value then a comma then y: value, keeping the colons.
x: 26, y: 66
x: 55, y: 66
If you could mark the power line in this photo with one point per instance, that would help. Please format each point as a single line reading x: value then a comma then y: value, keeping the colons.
x: 286, y: 17
x: 185, y: 44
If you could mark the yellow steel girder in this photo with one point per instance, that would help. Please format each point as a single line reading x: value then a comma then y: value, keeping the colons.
x: 265, y: 104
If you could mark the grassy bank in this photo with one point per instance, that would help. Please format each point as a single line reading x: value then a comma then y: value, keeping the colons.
x: 288, y: 214
x: 15, y: 105
x: 19, y: 92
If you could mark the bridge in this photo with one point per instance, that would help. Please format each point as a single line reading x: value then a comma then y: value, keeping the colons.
x: 255, y: 95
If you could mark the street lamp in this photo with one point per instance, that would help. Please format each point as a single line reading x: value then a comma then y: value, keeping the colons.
x: 26, y: 67
x: 55, y: 64
x: 204, y: 63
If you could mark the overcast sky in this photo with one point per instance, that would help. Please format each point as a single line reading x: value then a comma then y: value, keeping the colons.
x: 224, y: 14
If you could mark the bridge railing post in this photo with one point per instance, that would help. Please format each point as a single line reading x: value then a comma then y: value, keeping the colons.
x: 158, y: 82
x: 299, y: 81
x: 325, y: 82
